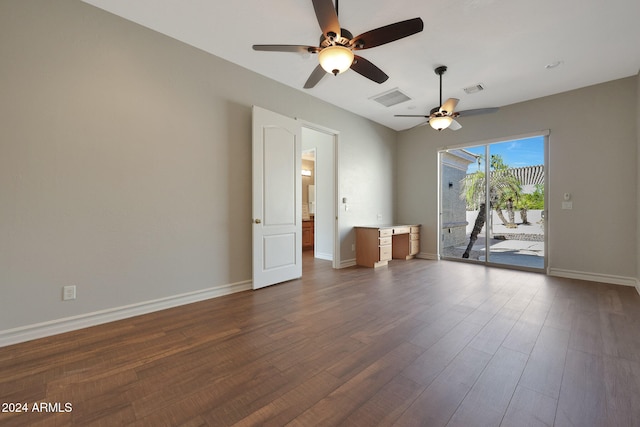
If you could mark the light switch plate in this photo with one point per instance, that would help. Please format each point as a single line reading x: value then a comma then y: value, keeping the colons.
x: 567, y: 205
x: 68, y: 293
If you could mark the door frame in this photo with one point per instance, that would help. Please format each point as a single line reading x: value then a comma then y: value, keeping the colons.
x: 336, y: 223
x: 545, y: 134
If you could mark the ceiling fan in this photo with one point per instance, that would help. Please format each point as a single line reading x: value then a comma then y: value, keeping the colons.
x: 443, y: 117
x: 335, y: 52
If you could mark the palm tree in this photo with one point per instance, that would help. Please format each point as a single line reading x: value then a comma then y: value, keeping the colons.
x: 534, y: 200
x: 503, y: 188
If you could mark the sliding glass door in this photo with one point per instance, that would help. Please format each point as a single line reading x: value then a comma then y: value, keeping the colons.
x: 492, y: 211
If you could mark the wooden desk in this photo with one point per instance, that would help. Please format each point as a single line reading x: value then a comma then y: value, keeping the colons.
x: 377, y: 244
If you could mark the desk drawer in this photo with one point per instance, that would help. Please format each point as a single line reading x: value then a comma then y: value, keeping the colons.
x: 385, y: 253
x: 415, y: 229
x: 384, y: 241
x: 401, y: 230
x: 384, y: 232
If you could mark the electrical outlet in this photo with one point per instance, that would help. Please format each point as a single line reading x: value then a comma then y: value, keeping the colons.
x: 68, y: 293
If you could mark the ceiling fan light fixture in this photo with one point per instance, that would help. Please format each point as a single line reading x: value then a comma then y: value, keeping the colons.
x: 440, y: 122
x: 335, y: 59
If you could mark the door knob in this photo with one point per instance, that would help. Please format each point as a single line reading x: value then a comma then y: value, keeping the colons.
x: 257, y: 221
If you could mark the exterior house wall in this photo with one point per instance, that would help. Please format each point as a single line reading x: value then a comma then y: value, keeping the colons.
x: 454, y: 165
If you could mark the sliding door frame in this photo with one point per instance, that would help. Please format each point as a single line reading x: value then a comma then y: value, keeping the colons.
x: 545, y: 213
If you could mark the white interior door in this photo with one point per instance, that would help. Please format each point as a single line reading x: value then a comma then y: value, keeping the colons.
x: 277, y: 198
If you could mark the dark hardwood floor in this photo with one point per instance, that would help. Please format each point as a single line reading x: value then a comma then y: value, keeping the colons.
x: 419, y: 343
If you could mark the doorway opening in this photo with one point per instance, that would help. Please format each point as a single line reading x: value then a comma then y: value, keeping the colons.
x: 492, y: 203
x: 308, y: 200
x: 319, y: 223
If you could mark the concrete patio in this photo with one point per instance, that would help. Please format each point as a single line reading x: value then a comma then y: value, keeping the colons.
x: 522, y: 246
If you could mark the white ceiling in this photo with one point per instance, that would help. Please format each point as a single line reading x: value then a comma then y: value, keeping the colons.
x: 503, y: 44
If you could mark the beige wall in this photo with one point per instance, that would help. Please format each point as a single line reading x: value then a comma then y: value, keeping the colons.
x: 638, y: 180
x: 593, y: 155
x: 125, y: 163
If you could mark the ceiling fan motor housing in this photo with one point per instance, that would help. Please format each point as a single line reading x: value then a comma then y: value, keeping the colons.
x: 331, y: 39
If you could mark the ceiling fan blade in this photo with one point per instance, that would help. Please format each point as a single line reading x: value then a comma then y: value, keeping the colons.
x: 449, y: 105
x: 477, y: 111
x: 315, y: 77
x: 286, y: 48
x: 419, y: 125
x: 327, y: 16
x: 455, y: 125
x: 411, y: 115
x: 368, y: 70
x: 387, y: 34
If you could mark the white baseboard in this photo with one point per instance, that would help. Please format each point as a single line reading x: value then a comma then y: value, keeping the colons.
x: 320, y: 255
x: 58, y: 326
x: 425, y: 255
x: 347, y: 263
x: 595, y: 277
x: 421, y: 255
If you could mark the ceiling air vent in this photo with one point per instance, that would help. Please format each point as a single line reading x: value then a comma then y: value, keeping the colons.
x: 474, y: 88
x: 391, y: 97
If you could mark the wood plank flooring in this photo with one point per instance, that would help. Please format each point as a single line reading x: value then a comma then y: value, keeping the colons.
x: 418, y: 343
